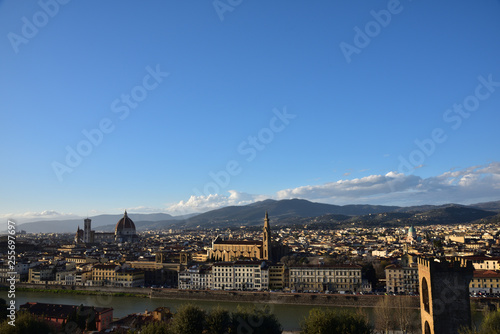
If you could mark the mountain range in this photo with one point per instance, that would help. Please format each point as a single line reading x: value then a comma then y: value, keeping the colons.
x: 287, y: 212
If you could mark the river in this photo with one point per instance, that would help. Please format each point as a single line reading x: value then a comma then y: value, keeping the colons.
x: 290, y: 316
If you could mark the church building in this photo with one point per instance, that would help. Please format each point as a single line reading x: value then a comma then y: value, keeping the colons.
x: 124, y: 232
x: 231, y: 250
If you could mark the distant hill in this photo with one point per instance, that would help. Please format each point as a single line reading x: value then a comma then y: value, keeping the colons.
x: 488, y: 206
x: 280, y: 212
x: 289, y: 212
x: 443, y: 215
x: 71, y: 225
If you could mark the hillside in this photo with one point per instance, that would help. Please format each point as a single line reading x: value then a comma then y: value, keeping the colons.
x: 281, y: 212
x: 287, y: 212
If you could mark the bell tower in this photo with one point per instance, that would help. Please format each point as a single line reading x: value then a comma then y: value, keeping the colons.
x: 87, y: 230
x: 266, y: 240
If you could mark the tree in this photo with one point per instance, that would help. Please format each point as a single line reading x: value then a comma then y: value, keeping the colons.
x: 404, y: 316
x: 384, y: 320
x: 336, y: 322
x: 490, y: 325
x: 26, y: 323
x: 218, y: 321
x: 256, y: 320
x: 189, y: 319
x: 156, y: 327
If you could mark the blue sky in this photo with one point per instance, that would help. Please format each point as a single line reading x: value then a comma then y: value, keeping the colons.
x: 192, y: 106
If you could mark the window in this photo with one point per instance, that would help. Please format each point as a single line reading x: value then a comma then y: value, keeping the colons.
x: 427, y: 327
x: 425, y: 298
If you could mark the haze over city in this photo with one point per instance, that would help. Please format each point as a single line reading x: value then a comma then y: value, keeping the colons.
x: 179, y: 107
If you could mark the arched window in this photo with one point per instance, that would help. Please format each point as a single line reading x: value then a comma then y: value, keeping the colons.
x: 427, y: 328
x: 425, y: 295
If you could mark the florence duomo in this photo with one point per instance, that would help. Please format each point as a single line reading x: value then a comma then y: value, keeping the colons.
x: 124, y: 232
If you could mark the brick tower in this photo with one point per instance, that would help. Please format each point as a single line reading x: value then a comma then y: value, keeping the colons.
x: 444, y: 295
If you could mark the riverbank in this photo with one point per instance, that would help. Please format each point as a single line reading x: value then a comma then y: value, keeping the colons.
x: 313, y: 299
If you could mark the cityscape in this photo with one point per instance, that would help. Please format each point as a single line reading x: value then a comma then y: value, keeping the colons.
x: 288, y: 263
x: 233, y: 166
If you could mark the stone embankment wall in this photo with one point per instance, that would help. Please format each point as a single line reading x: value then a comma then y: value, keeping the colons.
x: 241, y: 296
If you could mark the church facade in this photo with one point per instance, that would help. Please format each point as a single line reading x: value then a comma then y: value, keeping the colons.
x: 232, y: 250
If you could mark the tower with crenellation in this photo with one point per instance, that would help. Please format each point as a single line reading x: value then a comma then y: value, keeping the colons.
x: 444, y: 295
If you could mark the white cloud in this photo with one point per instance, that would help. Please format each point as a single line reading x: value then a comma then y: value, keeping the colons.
x: 344, y: 190
x: 213, y: 201
x: 31, y: 216
x: 469, y: 185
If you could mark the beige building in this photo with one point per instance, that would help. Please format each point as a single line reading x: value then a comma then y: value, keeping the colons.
x: 401, y: 279
x: 277, y: 277
x: 326, y: 278
x: 485, y: 281
x: 232, y: 250
x: 196, y: 278
x: 240, y: 275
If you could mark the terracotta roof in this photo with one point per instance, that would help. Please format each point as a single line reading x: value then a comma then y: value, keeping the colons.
x: 486, y: 274
x: 341, y: 266
x: 125, y: 223
x: 238, y: 242
x: 59, y: 311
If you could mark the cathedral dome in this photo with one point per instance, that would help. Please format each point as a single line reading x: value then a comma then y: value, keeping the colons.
x: 124, y: 224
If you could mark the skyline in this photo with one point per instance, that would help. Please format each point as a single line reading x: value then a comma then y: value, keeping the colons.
x: 181, y: 108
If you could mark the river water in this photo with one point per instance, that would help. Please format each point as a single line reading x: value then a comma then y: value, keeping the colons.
x: 290, y: 316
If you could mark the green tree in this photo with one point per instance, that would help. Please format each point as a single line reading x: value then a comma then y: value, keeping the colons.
x: 255, y: 320
x: 490, y: 325
x: 156, y: 327
x: 26, y: 324
x: 336, y: 322
x: 218, y: 321
x: 189, y: 319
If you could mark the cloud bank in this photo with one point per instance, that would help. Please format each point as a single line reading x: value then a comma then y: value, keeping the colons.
x: 464, y: 186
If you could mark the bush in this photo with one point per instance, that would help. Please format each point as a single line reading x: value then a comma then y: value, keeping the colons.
x: 256, y: 320
x: 189, y: 319
x: 26, y: 323
x: 336, y: 322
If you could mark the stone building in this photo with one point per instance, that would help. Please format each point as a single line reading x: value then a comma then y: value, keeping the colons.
x: 326, y: 278
x: 240, y: 275
x: 195, y: 278
x: 231, y: 250
x: 401, y: 279
x: 124, y: 232
x: 444, y: 295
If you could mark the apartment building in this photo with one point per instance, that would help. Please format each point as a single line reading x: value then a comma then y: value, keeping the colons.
x: 41, y: 274
x: 485, y: 281
x: 240, y: 275
x: 484, y: 263
x: 104, y: 274
x: 277, y: 277
x: 326, y: 278
x: 129, y: 277
x: 401, y: 279
x: 20, y: 268
x: 196, y: 278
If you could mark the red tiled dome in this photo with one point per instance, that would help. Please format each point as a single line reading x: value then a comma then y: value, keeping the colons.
x: 125, y: 223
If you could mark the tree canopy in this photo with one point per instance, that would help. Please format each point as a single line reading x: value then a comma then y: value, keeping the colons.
x: 329, y: 321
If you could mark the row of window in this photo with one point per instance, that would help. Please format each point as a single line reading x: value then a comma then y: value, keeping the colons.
x: 319, y: 280
x: 324, y: 272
